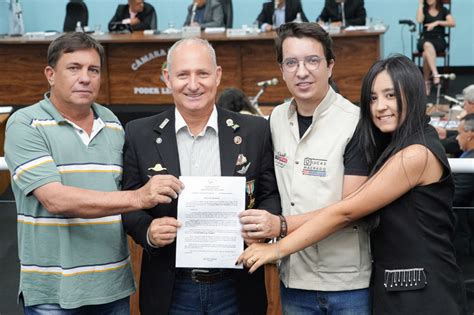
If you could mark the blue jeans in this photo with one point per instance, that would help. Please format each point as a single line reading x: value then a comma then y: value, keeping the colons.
x: 218, y: 298
x: 119, y: 307
x: 352, y: 302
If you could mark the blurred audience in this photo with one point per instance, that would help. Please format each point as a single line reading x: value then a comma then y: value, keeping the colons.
x: 235, y: 100
x: 448, y: 137
x: 205, y: 13
x: 464, y: 191
x: 354, y: 12
x: 277, y: 12
x: 435, y: 18
x: 137, y: 13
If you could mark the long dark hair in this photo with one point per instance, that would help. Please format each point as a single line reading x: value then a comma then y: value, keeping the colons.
x: 408, y: 85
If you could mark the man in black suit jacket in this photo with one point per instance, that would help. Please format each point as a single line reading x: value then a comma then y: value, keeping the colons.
x: 354, y: 11
x: 291, y: 9
x: 137, y: 13
x: 241, y: 144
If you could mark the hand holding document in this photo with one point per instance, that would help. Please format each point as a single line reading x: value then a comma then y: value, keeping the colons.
x: 210, y: 233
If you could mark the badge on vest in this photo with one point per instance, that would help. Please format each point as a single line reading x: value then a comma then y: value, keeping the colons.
x: 281, y: 159
x: 314, y: 167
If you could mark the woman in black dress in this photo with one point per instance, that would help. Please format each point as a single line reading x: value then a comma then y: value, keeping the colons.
x: 411, y: 186
x: 434, y: 17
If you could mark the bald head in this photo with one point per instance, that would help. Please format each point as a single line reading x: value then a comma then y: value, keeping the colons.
x: 189, y: 42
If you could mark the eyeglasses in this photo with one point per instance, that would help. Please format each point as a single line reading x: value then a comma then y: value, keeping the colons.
x: 310, y: 62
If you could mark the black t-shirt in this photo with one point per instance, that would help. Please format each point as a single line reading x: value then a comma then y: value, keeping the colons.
x: 355, y: 162
x: 438, y: 31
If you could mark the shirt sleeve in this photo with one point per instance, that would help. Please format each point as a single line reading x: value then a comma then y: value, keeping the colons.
x: 27, y: 155
x: 355, y: 162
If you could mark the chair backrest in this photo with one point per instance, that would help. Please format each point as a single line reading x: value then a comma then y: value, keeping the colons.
x: 76, y: 10
x: 154, y: 20
x: 228, y: 12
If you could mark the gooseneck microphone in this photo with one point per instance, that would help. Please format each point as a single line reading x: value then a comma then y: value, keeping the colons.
x: 193, y: 13
x: 452, y: 99
x: 271, y: 82
x: 449, y: 76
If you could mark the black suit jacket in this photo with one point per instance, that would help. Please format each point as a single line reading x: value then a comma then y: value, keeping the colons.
x: 147, y: 17
x: 353, y: 9
x: 292, y: 8
x: 141, y: 151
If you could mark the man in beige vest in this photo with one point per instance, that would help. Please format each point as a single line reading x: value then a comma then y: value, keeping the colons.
x: 316, y: 164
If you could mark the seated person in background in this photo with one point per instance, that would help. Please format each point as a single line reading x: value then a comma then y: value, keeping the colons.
x: 235, y: 100
x: 464, y: 191
x: 205, y: 13
x: 137, y: 13
x: 448, y: 137
x: 354, y: 12
x: 434, y: 18
x: 277, y: 12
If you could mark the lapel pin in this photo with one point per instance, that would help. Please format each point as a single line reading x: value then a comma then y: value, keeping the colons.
x: 159, y: 140
x: 164, y: 123
x: 157, y: 168
x: 229, y: 122
x: 244, y: 169
x: 237, y: 139
x: 241, y: 160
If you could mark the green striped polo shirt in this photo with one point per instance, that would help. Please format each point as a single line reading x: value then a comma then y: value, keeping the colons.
x: 65, y: 260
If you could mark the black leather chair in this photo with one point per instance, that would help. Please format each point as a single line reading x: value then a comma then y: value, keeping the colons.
x: 76, y: 10
x: 228, y: 13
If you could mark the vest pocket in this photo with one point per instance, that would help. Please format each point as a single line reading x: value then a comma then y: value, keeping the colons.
x: 340, y: 252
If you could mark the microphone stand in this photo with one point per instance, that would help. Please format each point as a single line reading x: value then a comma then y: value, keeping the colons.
x: 438, y: 90
x: 254, y: 100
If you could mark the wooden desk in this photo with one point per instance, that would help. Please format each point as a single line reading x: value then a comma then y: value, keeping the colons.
x: 132, y: 72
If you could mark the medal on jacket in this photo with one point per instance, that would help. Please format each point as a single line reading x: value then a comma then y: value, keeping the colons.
x: 250, y: 188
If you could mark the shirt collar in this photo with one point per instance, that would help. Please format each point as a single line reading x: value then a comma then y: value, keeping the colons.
x: 181, y: 123
x: 49, y: 107
x: 326, y: 102
x: 132, y: 14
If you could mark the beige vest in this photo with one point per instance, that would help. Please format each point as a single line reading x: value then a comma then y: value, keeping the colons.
x: 310, y: 174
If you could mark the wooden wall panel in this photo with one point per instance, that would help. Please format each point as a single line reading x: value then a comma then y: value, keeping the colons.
x: 22, y: 81
x: 245, y: 61
x: 259, y: 64
x: 124, y: 80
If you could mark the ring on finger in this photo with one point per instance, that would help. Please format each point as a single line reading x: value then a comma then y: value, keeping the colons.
x: 257, y: 227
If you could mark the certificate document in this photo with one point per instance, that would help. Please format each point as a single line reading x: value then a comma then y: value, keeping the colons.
x: 208, y: 208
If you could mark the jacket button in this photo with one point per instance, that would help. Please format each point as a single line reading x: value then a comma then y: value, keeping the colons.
x: 296, y: 162
x: 292, y: 204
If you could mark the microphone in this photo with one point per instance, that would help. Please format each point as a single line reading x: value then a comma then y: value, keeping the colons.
x: 449, y: 76
x: 452, y: 99
x: 266, y: 83
x: 193, y: 13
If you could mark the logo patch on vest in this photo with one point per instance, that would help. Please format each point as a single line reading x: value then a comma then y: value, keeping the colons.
x: 314, y: 167
x: 281, y: 160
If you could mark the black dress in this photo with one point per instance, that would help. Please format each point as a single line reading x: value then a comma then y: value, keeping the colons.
x: 436, y: 35
x: 415, y: 270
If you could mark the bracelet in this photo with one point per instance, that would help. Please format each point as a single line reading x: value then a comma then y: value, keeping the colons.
x: 283, y: 227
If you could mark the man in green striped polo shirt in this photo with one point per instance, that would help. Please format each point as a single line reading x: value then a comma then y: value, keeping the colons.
x: 65, y: 157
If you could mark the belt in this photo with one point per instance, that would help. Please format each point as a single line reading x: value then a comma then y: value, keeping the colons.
x: 203, y: 275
